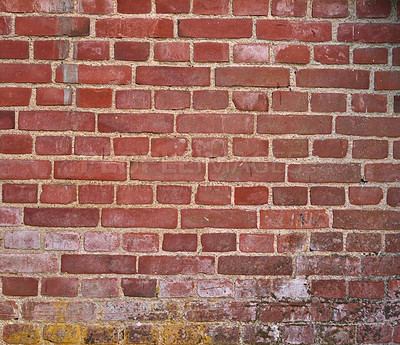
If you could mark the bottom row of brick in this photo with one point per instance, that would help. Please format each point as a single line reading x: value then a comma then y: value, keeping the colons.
x: 179, y: 333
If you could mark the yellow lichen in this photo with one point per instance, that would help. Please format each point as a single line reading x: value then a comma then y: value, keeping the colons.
x: 180, y: 334
x: 62, y: 333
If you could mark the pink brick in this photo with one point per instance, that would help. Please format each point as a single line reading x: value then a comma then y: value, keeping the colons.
x: 101, y: 241
x: 212, y: 288
x: 99, y: 288
x: 10, y: 216
x: 64, y: 241
x: 176, y: 288
x: 140, y: 242
x: 22, y: 240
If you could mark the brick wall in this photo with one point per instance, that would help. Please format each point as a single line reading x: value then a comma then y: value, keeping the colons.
x: 199, y: 172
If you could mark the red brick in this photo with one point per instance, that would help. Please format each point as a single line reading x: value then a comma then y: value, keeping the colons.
x: 47, y: 96
x: 299, y: 334
x: 99, y: 288
x: 5, y: 25
x: 290, y: 196
x: 331, y: 289
x: 294, y: 8
x: 21, y: 240
x: 91, y: 50
x: 294, y: 219
x: 162, y: 147
x: 220, y: 242
x: 215, y: 123
x: 10, y: 49
x: 8, y: 310
x: 101, y: 241
x: 28, y: 263
x: 245, y: 288
x: 210, y: 6
x: 173, y: 76
x: 135, y: 27
x: 173, y: 6
x: 51, y: 50
x: 252, y: 76
x: 215, y: 28
x: 246, y: 171
x: 290, y: 148
x: 253, y: 7
x: 373, y: 9
x: 380, y: 266
x: 213, y: 195
x: 251, y: 195
x: 368, y: 126
x: 293, y: 30
x: 21, y: 334
x: 211, y: 52
x: 365, y: 195
x: 94, y: 98
x: 292, y: 53
x: 369, y: 32
x: 327, y: 196
x: 19, y: 286
x: 7, y: 119
x: 394, y: 289
x: 90, y: 170
x: 171, y: 51
x: 58, y: 194
x: 138, y: 6
x: 52, y: 26
x: 209, y: 147
x: 15, y: 144
x: 94, y: 74
x: 369, y: 103
x: 256, y: 243
x: 384, y: 172
x: 372, y: 333
x: 96, y: 6
x: 252, y: 53
x: 172, y: 265
x: 61, y: 240
x: 396, y: 150
x: 370, y: 149
x: 328, y: 102
x: 138, y: 194
x: 250, y: 101
x: 387, y: 80
x: 98, y: 264
x: 292, y: 124
x: 139, y: 287
x: 367, y: 242
x: 255, y: 265
x: 92, y: 146
x: 24, y: 73
x: 21, y: 193
x: 220, y: 311
x: 221, y: 218
x: 132, y: 51
x: 210, y: 99
x: 370, y: 55
x: 333, y: 78
x: 366, y: 289
x: 138, y: 242
x: 59, y: 287
x: 326, y: 241
x: 395, y: 56
x: 131, y: 146
x: 330, y: 8
x: 179, y: 243
x: 324, y: 173
x: 250, y: 147
x: 332, y: 54
x: 14, y: 169
x: 290, y: 101
x: 172, y: 99
x: 50, y: 6
x: 174, y: 194
x: 61, y: 217
x: 165, y: 218
x: 214, y: 288
x: 393, y: 197
x: 13, y: 96
x: 366, y: 220
x: 396, y: 331
x: 17, y: 6
x: 176, y: 288
x: 328, y: 265
x: 167, y: 171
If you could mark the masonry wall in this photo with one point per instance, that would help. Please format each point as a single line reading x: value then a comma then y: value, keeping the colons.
x: 199, y: 172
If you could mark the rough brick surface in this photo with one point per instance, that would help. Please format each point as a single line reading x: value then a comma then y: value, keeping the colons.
x: 199, y: 172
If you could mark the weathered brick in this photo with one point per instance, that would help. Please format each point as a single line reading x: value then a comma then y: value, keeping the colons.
x: 171, y: 265
x: 255, y: 265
